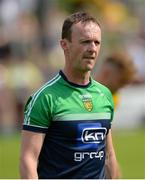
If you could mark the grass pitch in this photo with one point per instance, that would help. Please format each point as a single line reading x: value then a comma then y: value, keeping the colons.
x: 130, y: 151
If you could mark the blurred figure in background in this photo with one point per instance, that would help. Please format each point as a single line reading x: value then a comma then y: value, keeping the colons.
x: 116, y: 71
x: 7, y: 98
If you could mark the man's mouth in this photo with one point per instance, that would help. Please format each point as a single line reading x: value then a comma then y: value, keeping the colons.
x: 89, y: 57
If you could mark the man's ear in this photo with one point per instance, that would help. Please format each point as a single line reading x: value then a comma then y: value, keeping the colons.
x: 64, y: 44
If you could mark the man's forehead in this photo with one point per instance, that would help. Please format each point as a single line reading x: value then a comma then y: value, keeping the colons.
x: 86, y: 25
x: 86, y: 28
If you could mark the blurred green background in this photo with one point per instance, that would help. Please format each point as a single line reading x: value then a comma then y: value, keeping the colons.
x: 129, y: 147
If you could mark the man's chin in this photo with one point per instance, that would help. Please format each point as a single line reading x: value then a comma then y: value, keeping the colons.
x: 90, y: 67
x: 87, y: 69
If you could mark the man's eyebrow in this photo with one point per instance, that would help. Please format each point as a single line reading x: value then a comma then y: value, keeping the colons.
x: 90, y: 40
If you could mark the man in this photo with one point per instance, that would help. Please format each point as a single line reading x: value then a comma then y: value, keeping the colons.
x: 120, y: 71
x: 67, y: 125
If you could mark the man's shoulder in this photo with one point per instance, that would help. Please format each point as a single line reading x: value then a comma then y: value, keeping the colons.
x: 50, y: 86
x: 102, y: 88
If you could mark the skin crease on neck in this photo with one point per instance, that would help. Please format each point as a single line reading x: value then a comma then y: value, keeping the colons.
x: 81, y: 52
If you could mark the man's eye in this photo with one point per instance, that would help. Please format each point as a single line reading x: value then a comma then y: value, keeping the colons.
x: 85, y: 42
x: 97, y: 42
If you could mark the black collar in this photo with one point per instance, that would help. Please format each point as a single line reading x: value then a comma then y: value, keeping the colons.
x: 73, y: 84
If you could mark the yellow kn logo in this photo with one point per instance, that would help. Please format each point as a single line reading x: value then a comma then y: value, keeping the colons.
x: 88, y: 104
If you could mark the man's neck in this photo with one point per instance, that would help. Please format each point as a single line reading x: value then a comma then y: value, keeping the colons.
x: 80, y: 78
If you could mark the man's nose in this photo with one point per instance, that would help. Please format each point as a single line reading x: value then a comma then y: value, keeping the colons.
x: 92, y: 47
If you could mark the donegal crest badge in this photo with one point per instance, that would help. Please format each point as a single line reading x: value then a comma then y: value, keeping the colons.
x: 87, y: 101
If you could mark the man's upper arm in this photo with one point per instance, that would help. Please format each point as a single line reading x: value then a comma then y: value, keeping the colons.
x: 109, y: 143
x: 109, y: 146
x: 30, y: 150
x: 31, y: 144
x: 112, y: 167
